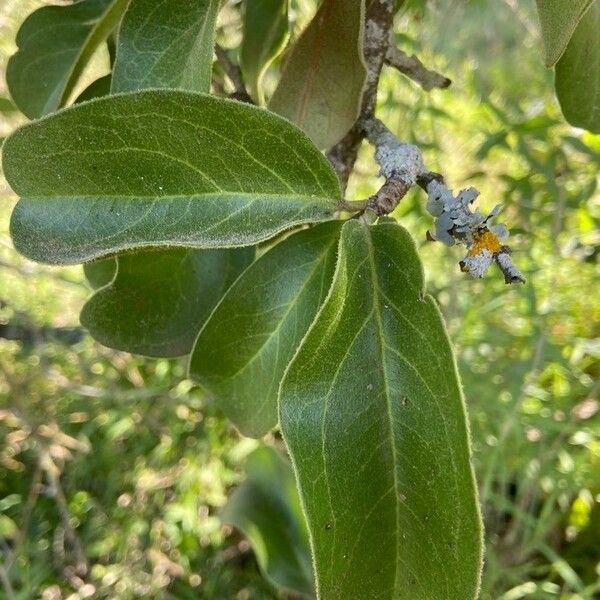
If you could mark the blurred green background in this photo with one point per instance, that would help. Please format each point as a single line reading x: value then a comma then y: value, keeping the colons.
x: 113, y: 468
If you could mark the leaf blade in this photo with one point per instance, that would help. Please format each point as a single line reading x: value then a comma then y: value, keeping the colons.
x: 54, y: 44
x: 166, y: 45
x: 203, y: 179
x: 266, y: 508
x: 321, y: 85
x: 158, y: 301
x: 369, y: 431
x: 242, y: 351
x: 578, y: 74
x: 265, y: 35
x: 559, y: 20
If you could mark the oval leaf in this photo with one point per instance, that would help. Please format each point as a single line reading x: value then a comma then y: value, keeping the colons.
x: 322, y: 81
x: 166, y: 45
x: 161, y: 168
x: 266, y: 508
x: 245, y: 346
x: 578, y: 74
x: 372, y: 413
x: 559, y: 20
x: 54, y: 45
x: 158, y: 300
x: 265, y: 34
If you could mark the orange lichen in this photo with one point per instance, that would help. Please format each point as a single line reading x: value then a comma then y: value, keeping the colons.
x: 485, y: 240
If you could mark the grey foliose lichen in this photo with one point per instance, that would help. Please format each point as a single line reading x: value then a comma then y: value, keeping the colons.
x: 457, y: 222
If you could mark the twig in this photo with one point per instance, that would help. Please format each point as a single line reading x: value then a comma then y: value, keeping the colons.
x: 21, y: 535
x: 234, y: 73
x: 414, y: 69
x: 82, y: 567
x: 402, y: 166
x: 8, y: 589
x: 378, y: 24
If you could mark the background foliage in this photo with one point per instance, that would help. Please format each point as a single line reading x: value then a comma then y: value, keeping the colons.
x: 119, y: 462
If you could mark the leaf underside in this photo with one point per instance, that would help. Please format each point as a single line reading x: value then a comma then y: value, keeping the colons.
x: 54, y: 45
x: 372, y: 413
x: 265, y: 34
x: 161, y: 168
x: 242, y: 351
x: 321, y: 85
x: 266, y: 508
x: 166, y: 45
x: 559, y: 20
x: 578, y: 73
x: 159, y: 299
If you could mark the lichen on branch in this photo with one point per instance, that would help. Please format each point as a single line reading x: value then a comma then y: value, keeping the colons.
x: 455, y: 222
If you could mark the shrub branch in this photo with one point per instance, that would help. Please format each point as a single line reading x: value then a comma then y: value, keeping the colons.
x: 414, y: 69
x: 402, y: 167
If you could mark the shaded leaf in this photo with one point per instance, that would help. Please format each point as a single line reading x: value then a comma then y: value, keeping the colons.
x: 54, y: 45
x: 159, y: 300
x: 265, y: 35
x: 559, y: 20
x: 266, y: 508
x: 213, y: 173
x: 96, y: 89
x: 245, y: 346
x: 578, y: 74
x: 100, y: 272
x: 372, y: 413
x: 322, y: 80
x: 166, y: 45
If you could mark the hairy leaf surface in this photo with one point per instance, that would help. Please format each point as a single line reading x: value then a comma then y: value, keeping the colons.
x: 322, y: 81
x: 54, y: 45
x: 245, y: 346
x: 265, y: 34
x: 161, y: 168
x: 266, y: 508
x: 578, y: 73
x: 159, y: 300
x: 372, y: 413
x: 166, y: 44
x: 559, y: 20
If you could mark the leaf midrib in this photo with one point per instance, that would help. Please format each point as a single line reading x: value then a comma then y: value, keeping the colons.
x: 382, y: 346
x: 252, y: 196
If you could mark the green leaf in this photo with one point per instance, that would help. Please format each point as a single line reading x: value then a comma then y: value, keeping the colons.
x: 322, y: 81
x: 559, y: 20
x: 161, y: 168
x: 372, y: 412
x: 54, y: 45
x: 245, y: 346
x: 578, y: 74
x: 166, y: 45
x: 266, y: 508
x: 265, y: 35
x: 96, y: 89
x: 9, y: 529
x: 159, y: 300
x: 100, y: 272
